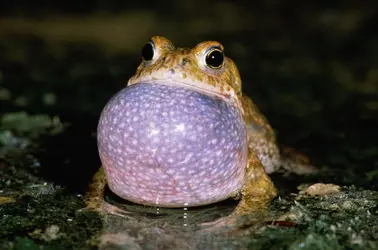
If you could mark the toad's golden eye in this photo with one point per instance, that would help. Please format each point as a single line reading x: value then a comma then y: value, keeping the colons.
x: 148, y: 51
x: 214, y: 58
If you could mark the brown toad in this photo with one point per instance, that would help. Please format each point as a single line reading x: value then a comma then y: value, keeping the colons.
x: 183, y: 134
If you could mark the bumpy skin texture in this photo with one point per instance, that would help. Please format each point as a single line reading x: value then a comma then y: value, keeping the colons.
x: 172, y: 146
x: 228, y: 140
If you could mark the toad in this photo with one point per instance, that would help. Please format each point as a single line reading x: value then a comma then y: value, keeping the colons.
x: 183, y: 134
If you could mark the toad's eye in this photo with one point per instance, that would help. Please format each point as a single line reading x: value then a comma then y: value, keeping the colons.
x: 214, y: 58
x: 148, y: 51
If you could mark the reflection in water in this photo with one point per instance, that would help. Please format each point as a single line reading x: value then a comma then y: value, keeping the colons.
x: 133, y: 226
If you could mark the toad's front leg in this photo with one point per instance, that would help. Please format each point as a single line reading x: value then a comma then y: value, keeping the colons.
x: 94, y: 198
x: 258, y: 189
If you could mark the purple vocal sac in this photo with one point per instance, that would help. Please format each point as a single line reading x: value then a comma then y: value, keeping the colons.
x: 171, y: 147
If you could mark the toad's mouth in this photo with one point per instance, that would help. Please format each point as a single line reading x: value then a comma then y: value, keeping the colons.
x: 229, y: 97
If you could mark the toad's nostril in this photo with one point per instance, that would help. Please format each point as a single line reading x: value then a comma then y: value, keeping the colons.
x: 184, y: 61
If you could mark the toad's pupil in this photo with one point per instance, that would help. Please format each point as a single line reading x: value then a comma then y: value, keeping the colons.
x: 214, y: 59
x: 148, y: 52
